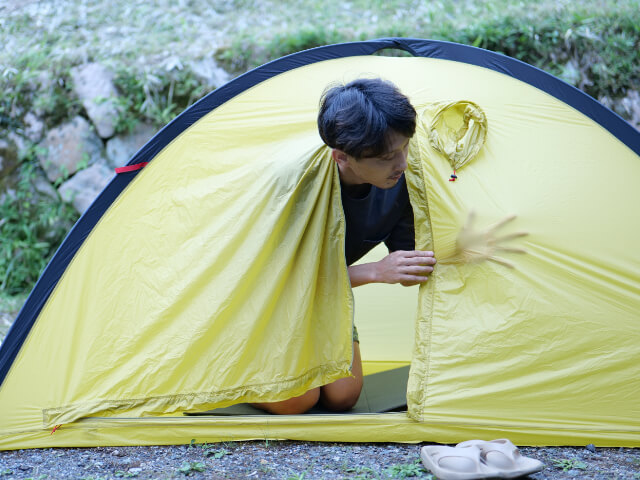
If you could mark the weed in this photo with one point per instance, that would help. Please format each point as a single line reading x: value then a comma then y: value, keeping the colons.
x: 123, y: 474
x: 265, y: 469
x: 361, y: 473
x: 187, y: 468
x: 406, y: 470
x: 156, y: 96
x: 297, y: 476
x: 221, y: 452
x: 229, y: 444
x: 31, y: 229
x: 565, y: 464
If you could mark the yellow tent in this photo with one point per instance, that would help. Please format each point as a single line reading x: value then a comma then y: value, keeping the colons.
x: 215, y: 274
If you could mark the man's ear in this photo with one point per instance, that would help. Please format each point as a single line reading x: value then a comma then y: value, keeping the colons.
x: 339, y: 156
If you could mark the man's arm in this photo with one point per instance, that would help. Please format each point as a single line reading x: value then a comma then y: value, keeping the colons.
x: 404, y: 267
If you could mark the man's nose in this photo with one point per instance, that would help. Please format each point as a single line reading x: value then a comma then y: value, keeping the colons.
x: 402, y: 161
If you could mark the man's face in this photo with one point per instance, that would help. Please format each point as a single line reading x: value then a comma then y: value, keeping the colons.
x: 382, y: 171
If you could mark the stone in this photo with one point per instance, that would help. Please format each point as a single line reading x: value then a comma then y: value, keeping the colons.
x: 42, y: 186
x: 82, y: 189
x: 209, y: 73
x: 631, y: 106
x: 33, y: 127
x: 22, y: 144
x: 10, y: 175
x: 93, y: 84
x: 68, y: 148
x: 121, y: 148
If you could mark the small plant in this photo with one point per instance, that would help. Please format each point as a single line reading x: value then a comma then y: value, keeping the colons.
x: 31, y: 228
x: 361, y: 473
x: 565, y: 464
x: 156, y: 96
x: 219, y: 453
x: 297, y: 476
x: 188, y: 468
x: 406, y: 470
x: 123, y: 474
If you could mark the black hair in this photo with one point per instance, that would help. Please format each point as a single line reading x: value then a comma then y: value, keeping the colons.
x: 358, y: 117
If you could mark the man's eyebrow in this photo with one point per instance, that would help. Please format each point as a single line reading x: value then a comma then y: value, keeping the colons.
x: 386, y: 154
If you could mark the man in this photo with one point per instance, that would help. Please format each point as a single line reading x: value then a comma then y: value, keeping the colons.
x: 368, y: 124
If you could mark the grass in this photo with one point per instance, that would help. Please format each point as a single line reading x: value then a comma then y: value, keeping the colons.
x: 565, y: 464
x: 188, y: 468
x: 31, y: 229
x: 400, y: 471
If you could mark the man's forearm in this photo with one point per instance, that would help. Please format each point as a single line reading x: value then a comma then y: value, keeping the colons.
x: 404, y: 267
x: 362, y: 274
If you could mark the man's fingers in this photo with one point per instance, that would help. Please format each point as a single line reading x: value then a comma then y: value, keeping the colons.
x: 470, y: 218
x: 413, y: 279
x: 418, y: 269
x: 502, y: 222
x: 417, y: 253
x: 419, y: 261
x: 511, y: 236
x: 510, y: 250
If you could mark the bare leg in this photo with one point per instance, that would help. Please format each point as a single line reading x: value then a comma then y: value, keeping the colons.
x: 291, y: 406
x: 337, y: 396
x: 343, y: 394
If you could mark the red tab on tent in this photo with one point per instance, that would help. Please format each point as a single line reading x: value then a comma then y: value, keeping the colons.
x: 131, y: 168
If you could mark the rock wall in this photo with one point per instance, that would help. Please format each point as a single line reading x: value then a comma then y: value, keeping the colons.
x: 78, y: 157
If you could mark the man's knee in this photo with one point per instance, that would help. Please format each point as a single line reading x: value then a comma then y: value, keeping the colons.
x: 292, y: 406
x: 341, y: 397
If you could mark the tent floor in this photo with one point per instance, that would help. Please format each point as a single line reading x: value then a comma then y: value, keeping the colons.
x: 381, y: 392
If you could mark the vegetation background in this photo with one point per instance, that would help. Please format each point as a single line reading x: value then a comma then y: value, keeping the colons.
x: 154, y: 49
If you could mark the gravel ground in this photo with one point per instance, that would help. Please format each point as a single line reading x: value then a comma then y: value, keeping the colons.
x: 289, y: 460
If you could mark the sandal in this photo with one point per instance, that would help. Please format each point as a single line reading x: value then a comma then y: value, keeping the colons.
x: 451, y: 463
x: 504, y: 456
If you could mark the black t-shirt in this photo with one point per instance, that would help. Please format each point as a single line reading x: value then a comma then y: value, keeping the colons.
x: 374, y: 215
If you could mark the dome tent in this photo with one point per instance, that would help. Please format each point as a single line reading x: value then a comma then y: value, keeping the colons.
x: 214, y: 275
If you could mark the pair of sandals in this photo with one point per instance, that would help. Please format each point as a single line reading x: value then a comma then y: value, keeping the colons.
x: 476, y: 459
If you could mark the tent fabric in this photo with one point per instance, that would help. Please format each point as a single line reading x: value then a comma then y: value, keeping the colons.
x: 223, y: 281
x: 268, y: 273
x: 458, y: 131
x: 420, y: 48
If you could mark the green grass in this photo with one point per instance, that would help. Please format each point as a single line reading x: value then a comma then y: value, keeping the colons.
x: 565, y: 465
x: 188, y: 468
x: 31, y: 229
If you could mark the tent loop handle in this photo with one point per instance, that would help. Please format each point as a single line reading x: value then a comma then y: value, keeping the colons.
x: 398, y: 44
